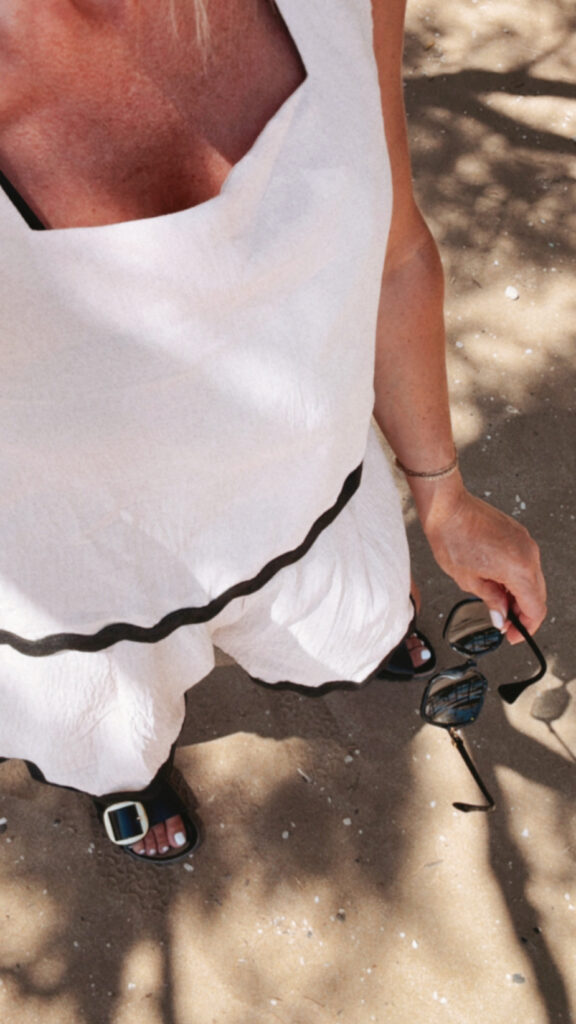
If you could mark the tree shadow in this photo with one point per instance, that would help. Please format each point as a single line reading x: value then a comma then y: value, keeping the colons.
x: 84, y: 909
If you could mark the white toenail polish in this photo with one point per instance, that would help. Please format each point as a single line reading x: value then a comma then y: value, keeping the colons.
x: 425, y: 654
x: 151, y: 853
x: 497, y: 619
x: 180, y: 839
x: 164, y: 849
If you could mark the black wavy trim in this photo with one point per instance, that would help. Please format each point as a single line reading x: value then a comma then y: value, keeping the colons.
x: 117, y: 631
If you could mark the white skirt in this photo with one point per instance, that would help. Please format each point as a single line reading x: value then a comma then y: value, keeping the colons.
x: 106, y: 721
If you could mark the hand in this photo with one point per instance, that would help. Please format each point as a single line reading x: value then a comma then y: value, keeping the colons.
x: 491, y: 556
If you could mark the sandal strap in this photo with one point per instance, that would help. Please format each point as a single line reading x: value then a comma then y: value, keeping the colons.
x: 126, y: 822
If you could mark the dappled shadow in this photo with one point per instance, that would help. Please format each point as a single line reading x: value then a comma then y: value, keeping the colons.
x: 330, y: 799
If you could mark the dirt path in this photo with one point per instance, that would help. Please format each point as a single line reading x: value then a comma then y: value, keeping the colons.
x: 336, y: 881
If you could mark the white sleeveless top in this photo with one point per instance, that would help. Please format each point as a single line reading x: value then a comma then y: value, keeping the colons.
x: 183, y: 397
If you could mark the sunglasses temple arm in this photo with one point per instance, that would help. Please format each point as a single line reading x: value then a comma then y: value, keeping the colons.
x: 459, y: 744
x: 511, y: 691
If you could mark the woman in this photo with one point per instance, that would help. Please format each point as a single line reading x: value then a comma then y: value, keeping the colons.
x: 189, y: 377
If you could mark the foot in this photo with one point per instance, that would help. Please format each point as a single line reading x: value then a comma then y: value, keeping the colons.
x: 419, y: 652
x: 173, y: 829
x: 168, y: 835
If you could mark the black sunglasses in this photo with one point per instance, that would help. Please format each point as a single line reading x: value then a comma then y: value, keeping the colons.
x: 454, y: 697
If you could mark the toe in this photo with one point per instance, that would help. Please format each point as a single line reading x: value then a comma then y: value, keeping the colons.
x: 176, y: 832
x: 150, y: 846
x: 161, y: 838
x: 419, y: 652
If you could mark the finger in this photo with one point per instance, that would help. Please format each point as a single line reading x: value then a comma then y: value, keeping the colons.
x: 495, y: 597
x: 531, y: 622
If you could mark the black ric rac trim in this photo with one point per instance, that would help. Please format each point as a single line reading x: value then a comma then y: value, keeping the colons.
x: 117, y: 631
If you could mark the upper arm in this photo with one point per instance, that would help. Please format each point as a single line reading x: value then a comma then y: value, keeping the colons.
x: 407, y: 230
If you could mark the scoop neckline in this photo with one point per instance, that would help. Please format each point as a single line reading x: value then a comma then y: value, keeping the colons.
x: 227, y: 188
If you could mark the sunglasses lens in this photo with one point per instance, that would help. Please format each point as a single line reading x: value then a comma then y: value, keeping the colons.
x: 454, y: 697
x: 469, y: 629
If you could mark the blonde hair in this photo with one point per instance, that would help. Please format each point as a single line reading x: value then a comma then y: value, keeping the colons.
x: 202, y: 24
x: 201, y: 18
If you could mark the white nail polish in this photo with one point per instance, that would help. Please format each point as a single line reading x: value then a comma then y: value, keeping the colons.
x: 180, y: 839
x: 497, y: 619
x: 164, y: 849
x: 151, y: 853
x: 425, y: 654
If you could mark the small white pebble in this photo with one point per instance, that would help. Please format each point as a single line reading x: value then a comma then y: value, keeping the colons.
x: 347, y: 821
x: 286, y: 835
x: 131, y: 986
x: 188, y: 867
x: 348, y: 759
x: 525, y: 832
x: 414, y: 944
x: 432, y: 803
x: 512, y: 293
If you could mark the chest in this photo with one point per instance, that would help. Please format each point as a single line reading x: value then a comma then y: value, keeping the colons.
x: 105, y: 121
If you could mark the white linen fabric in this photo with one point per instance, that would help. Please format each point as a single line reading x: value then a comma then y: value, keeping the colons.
x: 182, y: 397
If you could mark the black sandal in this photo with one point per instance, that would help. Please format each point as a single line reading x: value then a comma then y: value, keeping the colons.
x: 398, y: 665
x: 128, y: 817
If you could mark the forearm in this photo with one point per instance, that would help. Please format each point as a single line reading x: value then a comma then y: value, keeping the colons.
x: 411, y: 405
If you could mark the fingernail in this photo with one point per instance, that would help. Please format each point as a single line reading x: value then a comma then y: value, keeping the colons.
x: 180, y: 839
x: 497, y: 619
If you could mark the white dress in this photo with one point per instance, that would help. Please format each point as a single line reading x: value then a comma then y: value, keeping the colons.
x: 185, y: 444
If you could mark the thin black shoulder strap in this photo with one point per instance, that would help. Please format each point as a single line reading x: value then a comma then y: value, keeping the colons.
x: 21, y: 205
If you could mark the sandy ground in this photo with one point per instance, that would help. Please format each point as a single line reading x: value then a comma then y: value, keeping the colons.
x: 336, y: 881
